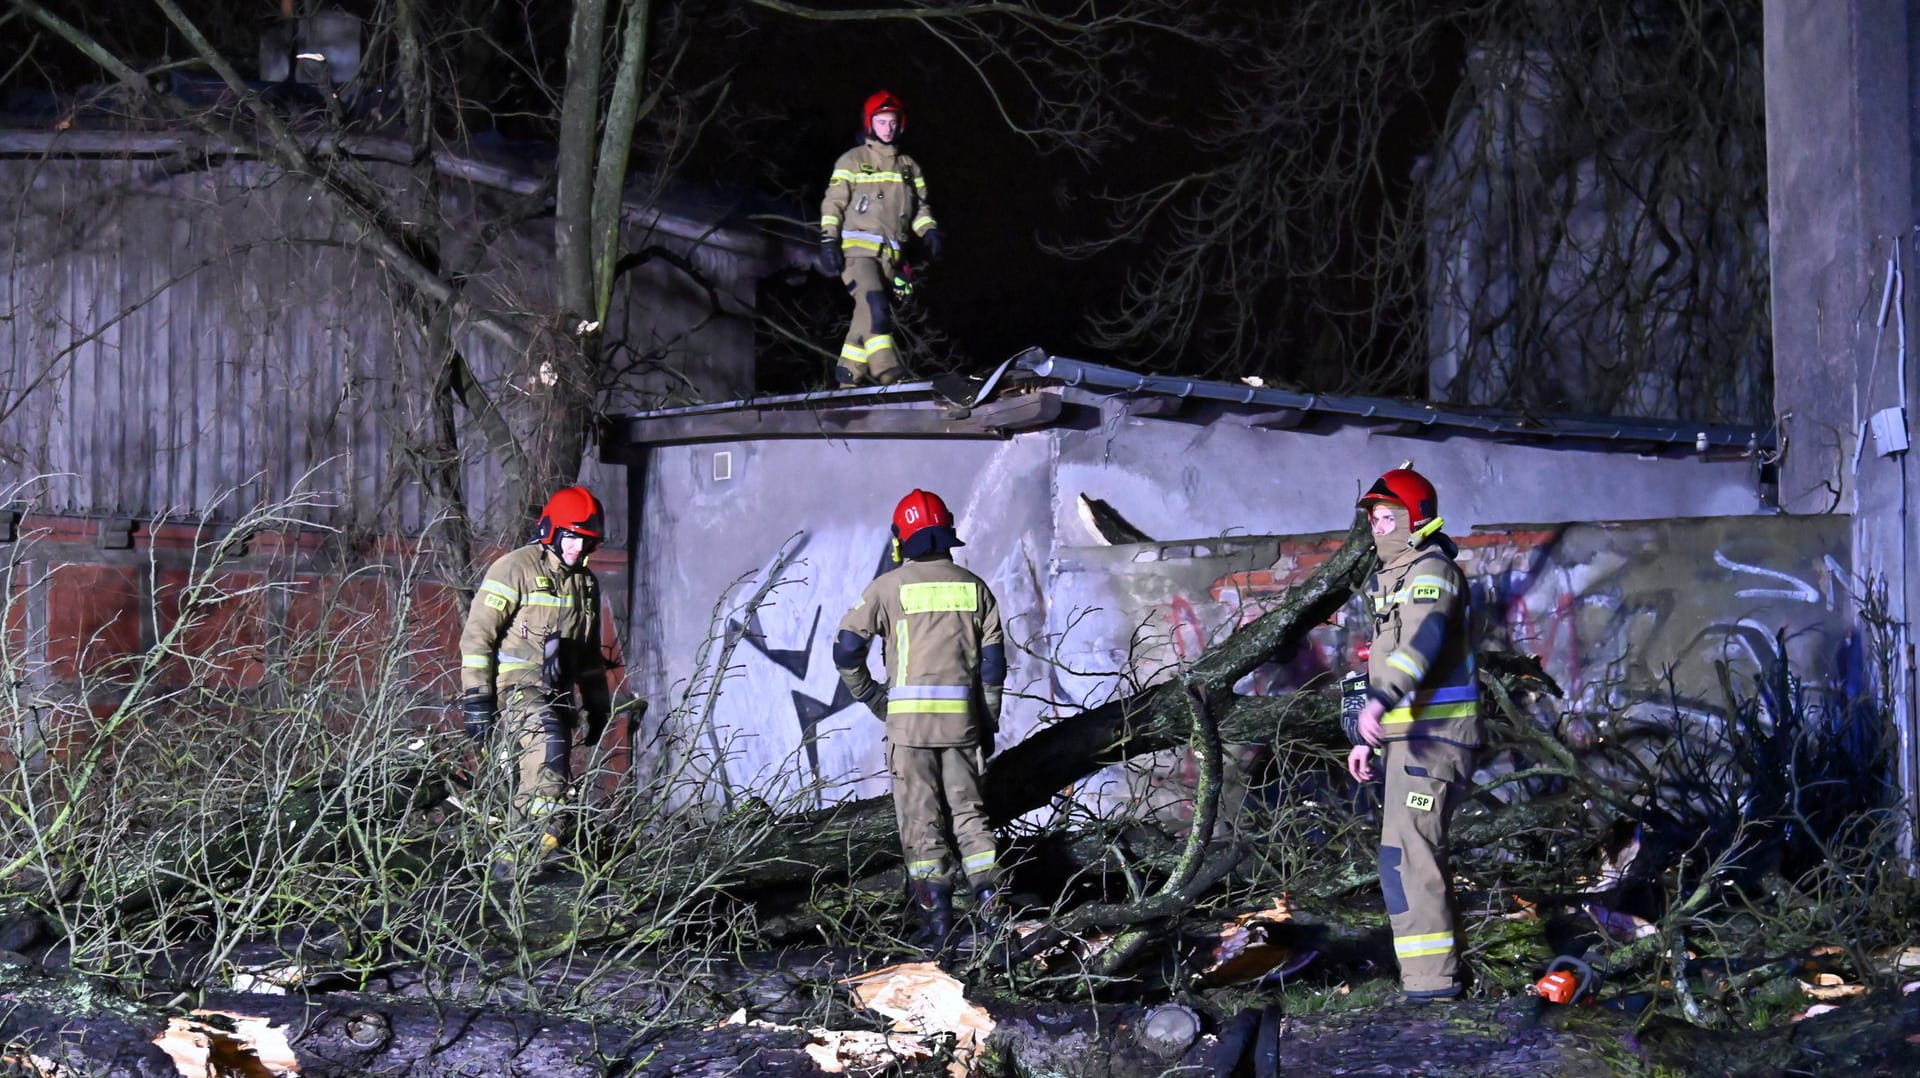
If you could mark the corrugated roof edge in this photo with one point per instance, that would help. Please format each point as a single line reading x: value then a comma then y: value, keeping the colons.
x: 1700, y: 436
x: 1104, y: 380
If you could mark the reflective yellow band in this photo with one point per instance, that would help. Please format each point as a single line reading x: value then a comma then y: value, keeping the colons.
x: 939, y: 596
x: 853, y: 353
x: 537, y: 599
x: 1408, y: 663
x: 928, y: 707
x: 498, y: 588
x: 1429, y: 943
x: 1401, y: 716
x: 975, y: 864
x: 900, y: 651
x: 882, y: 343
x: 829, y: 224
x: 477, y: 662
x: 923, y: 219
x: 862, y: 245
x: 851, y: 176
x: 923, y: 870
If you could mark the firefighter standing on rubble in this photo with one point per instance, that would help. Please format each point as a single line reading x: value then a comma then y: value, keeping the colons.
x: 876, y: 201
x: 946, y: 663
x: 531, y: 643
x: 1422, y: 714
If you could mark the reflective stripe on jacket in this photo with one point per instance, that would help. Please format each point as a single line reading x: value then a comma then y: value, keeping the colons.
x: 933, y: 618
x: 1421, y: 661
x: 527, y: 596
x: 875, y: 199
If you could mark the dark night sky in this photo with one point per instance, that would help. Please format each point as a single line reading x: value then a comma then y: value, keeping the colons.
x: 997, y: 194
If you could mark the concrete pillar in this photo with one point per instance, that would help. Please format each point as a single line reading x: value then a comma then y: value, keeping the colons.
x: 1840, y: 167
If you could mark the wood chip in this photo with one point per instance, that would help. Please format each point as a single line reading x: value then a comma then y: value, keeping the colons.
x: 926, y: 1001
x: 221, y: 1044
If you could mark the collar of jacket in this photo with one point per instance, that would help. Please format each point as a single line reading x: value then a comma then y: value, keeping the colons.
x: 1395, y: 552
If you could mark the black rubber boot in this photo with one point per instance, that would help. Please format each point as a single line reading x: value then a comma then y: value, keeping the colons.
x: 988, y: 910
x: 933, y: 908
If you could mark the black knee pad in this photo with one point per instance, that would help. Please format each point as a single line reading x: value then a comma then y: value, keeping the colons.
x: 882, y: 312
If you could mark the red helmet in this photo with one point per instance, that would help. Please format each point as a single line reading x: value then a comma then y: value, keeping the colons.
x: 1409, y: 490
x: 920, y: 509
x: 879, y: 103
x: 572, y: 509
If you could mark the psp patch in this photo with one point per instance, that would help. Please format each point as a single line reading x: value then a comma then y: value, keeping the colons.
x: 497, y: 603
x: 1420, y: 802
x: 1426, y: 593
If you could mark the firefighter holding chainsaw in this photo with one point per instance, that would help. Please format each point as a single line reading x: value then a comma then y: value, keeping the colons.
x: 532, y: 673
x: 1422, y: 716
x: 876, y: 202
x: 946, y: 663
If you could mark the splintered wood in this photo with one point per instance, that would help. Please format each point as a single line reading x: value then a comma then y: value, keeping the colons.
x: 926, y: 1001
x: 221, y: 1044
x: 1249, y: 949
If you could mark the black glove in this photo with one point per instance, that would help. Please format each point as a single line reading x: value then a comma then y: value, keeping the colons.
x: 1353, y: 700
x: 990, y: 720
x: 833, y: 261
x: 478, y: 709
x: 553, y: 664
x: 934, y: 244
x: 877, y: 703
x: 596, y: 726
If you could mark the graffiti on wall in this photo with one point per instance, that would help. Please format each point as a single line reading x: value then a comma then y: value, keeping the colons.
x: 767, y: 705
x: 1616, y: 612
x: 1628, y: 617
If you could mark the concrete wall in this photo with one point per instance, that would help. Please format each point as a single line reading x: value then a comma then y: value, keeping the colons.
x: 1179, y: 480
x: 1841, y: 86
x: 754, y: 685
x: 1632, y: 619
x: 812, y: 515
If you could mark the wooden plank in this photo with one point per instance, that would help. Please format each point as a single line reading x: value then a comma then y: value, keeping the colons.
x: 999, y: 419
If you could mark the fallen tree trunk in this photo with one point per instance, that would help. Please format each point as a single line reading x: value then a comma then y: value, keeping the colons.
x: 859, y: 836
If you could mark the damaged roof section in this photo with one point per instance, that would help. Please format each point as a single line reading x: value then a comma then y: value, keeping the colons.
x: 1037, y: 389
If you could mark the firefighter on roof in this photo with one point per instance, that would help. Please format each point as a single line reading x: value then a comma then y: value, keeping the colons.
x: 1422, y: 713
x: 530, y: 657
x: 946, y: 663
x: 876, y: 202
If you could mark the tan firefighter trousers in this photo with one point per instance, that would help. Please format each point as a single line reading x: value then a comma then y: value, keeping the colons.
x: 1425, y: 780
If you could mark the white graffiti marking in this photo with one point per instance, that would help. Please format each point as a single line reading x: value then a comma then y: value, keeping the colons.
x: 1801, y: 591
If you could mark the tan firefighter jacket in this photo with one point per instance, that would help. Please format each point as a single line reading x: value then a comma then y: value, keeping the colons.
x: 1421, y: 660
x: 528, y: 596
x: 933, y: 618
x: 875, y: 200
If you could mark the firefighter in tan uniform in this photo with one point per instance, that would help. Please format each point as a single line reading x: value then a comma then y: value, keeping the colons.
x: 1422, y: 713
x: 876, y: 200
x: 531, y: 642
x: 946, y: 663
